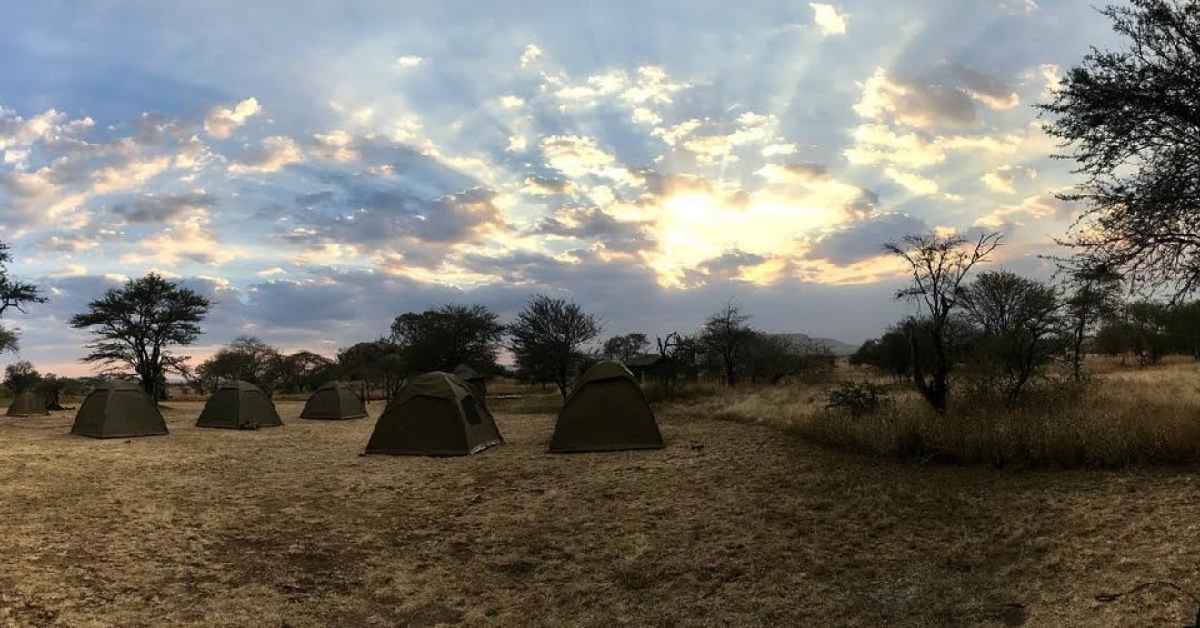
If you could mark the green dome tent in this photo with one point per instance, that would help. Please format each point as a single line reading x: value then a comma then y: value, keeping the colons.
x: 27, y: 404
x: 606, y: 411
x: 239, y: 405
x: 435, y: 414
x: 476, y: 382
x: 118, y: 410
x: 334, y: 400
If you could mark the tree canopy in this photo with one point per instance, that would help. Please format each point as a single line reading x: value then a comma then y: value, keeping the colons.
x: 14, y: 294
x: 625, y: 347
x: 1131, y: 120
x: 939, y: 265
x: 135, y: 327
x: 21, y: 377
x: 726, y: 337
x: 247, y: 359
x: 547, y: 338
x: 442, y: 339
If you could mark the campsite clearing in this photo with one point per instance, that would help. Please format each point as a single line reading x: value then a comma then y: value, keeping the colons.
x: 729, y: 524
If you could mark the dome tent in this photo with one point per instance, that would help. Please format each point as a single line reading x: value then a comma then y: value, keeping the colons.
x: 118, y: 410
x: 476, y: 382
x: 334, y: 401
x: 435, y: 414
x: 606, y: 411
x: 28, y: 404
x: 239, y: 405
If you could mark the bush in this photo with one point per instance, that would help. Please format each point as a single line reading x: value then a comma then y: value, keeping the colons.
x: 858, y: 398
x: 659, y: 392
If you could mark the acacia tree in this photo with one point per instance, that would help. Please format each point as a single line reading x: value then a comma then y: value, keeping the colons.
x: 442, y: 339
x: 14, y: 294
x: 247, y: 359
x: 305, y: 371
x: 136, y: 326
x: 939, y: 265
x: 21, y: 377
x: 1019, y: 323
x: 379, y: 364
x: 1094, y: 295
x: 547, y: 338
x: 1131, y: 121
x: 726, y: 336
x: 625, y: 347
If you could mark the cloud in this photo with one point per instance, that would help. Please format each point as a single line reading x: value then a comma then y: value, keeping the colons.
x: 985, y: 88
x: 50, y: 126
x: 72, y: 270
x: 275, y: 152
x: 1024, y: 7
x: 409, y: 61
x: 162, y: 208
x: 590, y: 223
x: 337, y: 145
x: 547, y: 186
x: 792, y: 173
x: 580, y: 156
x: 864, y: 239
x: 130, y: 175
x: 912, y: 182
x: 1005, y: 178
x: 881, y: 144
x: 191, y: 239
x: 750, y: 128
x: 530, y: 55
x: 644, y: 115
x: 776, y: 150
x: 827, y: 18
x: 221, y: 122
x: 511, y: 102
x: 1037, y: 207
x: 914, y: 104
x: 517, y: 144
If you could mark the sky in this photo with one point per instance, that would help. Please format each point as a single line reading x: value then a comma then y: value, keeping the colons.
x: 317, y: 169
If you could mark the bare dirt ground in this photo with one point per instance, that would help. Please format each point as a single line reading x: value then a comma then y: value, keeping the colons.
x: 731, y: 524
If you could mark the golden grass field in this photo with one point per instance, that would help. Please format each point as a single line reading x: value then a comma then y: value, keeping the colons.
x: 736, y: 522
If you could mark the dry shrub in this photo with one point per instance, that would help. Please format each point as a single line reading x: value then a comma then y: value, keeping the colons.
x: 657, y: 392
x: 1116, y: 420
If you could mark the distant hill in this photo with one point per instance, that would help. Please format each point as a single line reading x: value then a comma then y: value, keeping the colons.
x: 837, y: 347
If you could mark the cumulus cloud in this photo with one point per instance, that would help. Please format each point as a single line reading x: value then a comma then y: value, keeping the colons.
x: 580, y: 156
x: 914, y: 183
x: 274, y: 153
x: 546, y: 186
x: 1005, y: 178
x: 914, y: 104
x: 530, y: 55
x: 130, y: 175
x: 337, y: 145
x: 1036, y: 207
x: 511, y: 102
x: 827, y: 19
x: 985, y: 88
x: 590, y: 223
x: 864, y: 239
x: 162, y: 208
x: 221, y: 122
x: 190, y: 239
x: 50, y: 126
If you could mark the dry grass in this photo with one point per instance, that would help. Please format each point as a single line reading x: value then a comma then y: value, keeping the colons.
x: 1123, y: 417
x: 731, y: 524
